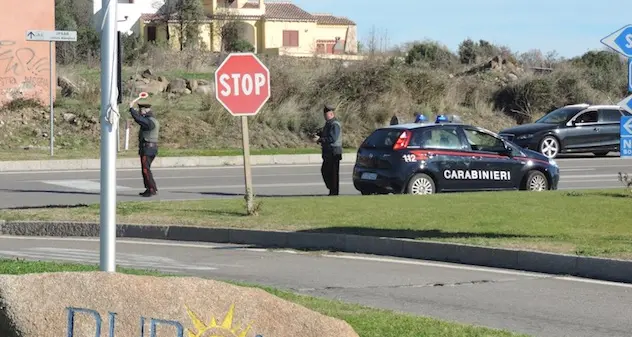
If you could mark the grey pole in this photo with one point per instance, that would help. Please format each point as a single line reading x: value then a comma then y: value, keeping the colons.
x: 109, y: 124
x: 53, y: 86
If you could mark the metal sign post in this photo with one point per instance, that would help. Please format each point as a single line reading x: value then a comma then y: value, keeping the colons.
x: 109, y: 126
x: 51, y: 36
x: 243, y: 87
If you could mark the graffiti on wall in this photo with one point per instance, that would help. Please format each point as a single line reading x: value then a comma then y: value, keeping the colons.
x: 21, y: 68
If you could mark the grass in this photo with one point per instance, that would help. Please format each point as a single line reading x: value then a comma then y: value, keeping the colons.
x: 592, y: 223
x: 366, y: 93
x: 367, y: 322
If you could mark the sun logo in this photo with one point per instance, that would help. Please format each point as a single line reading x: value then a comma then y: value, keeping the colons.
x: 213, y: 329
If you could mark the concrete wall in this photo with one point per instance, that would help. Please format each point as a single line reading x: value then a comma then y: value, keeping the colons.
x: 24, y: 66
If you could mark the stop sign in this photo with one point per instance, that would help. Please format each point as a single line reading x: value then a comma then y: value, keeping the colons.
x: 242, y: 84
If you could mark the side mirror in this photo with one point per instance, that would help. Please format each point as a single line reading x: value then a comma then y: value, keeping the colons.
x: 507, y: 151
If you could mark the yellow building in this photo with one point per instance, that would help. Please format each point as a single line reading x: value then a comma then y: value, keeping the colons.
x: 278, y: 28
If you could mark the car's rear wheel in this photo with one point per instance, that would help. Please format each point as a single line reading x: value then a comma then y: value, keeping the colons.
x: 550, y: 147
x: 421, y: 184
x: 536, y: 181
x: 601, y: 154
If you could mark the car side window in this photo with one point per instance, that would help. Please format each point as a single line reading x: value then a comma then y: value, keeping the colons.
x: 609, y: 115
x: 438, y: 138
x: 481, y: 141
x: 587, y: 117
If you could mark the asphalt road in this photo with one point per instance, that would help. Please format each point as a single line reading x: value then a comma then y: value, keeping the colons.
x: 20, y: 189
x: 536, y: 304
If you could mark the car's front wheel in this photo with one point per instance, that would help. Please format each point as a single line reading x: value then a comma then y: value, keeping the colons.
x: 536, y: 181
x: 421, y: 184
x: 550, y: 147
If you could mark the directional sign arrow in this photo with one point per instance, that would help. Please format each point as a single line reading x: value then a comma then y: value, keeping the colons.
x: 628, y: 126
x: 620, y: 41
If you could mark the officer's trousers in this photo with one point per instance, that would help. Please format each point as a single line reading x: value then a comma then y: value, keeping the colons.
x: 148, y: 176
x: 330, y: 171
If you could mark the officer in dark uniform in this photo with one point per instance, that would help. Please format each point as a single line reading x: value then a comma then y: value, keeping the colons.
x: 147, y: 143
x: 330, y: 139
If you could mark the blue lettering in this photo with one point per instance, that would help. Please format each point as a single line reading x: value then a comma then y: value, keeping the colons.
x: 154, y: 323
x: 71, y: 320
x: 97, y: 319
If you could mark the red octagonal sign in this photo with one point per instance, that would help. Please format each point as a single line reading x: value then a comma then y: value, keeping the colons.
x: 242, y: 84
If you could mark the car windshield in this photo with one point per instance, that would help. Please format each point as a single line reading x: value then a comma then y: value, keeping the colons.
x: 382, y: 138
x: 560, y: 116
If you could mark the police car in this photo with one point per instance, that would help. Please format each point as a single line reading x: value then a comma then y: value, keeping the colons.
x: 444, y: 156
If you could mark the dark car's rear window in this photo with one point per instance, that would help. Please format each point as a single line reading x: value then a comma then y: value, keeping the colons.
x: 382, y: 138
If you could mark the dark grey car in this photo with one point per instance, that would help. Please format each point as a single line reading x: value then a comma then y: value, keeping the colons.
x: 571, y: 129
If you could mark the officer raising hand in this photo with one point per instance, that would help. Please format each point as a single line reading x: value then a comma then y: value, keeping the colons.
x: 147, y: 143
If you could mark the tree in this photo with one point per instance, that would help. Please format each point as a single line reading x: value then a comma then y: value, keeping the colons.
x: 188, y: 15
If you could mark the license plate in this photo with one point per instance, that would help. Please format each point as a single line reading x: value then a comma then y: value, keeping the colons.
x: 369, y: 176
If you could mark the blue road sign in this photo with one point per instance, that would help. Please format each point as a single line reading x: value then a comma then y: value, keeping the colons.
x: 620, y: 41
x: 626, y: 137
x: 630, y: 75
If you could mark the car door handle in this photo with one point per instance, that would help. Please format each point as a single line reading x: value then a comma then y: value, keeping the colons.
x: 596, y: 129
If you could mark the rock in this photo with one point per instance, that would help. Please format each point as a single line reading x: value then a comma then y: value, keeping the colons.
x: 204, y: 89
x: 67, y: 87
x: 178, y: 86
x: 70, y: 118
x: 80, y: 304
x: 192, y: 85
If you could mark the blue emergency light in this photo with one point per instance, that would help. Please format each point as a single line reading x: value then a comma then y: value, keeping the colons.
x: 442, y: 119
x: 420, y: 118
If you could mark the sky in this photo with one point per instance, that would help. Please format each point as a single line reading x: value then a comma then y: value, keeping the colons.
x: 568, y: 27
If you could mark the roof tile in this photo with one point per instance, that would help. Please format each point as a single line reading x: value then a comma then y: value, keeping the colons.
x: 286, y: 11
x: 328, y: 19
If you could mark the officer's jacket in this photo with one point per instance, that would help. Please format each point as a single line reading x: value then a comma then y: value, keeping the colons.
x: 331, y: 137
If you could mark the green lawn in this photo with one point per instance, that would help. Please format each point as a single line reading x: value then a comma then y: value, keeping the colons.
x: 594, y: 222
x: 44, y: 154
x: 367, y: 322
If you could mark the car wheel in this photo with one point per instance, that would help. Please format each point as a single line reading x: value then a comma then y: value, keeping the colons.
x: 550, y: 147
x: 421, y: 184
x: 536, y: 181
x: 365, y: 192
x: 601, y: 154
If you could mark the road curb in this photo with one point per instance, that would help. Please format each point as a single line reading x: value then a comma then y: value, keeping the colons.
x: 164, y: 162
x: 532, y: 261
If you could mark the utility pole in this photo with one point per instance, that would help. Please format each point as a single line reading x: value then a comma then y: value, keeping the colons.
x: 109, y: 128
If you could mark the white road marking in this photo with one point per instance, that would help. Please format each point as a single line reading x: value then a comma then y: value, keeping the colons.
x: 154, y: 169
x: 83, y: 184
x: 338, y: 256
x: 481, y: 269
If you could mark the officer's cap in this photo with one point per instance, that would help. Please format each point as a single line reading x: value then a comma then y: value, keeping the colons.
x: 328, y: 108
x: 144, y: 105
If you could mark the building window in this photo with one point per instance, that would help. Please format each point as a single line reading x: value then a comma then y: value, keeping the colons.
x: 325, y: 46
x: 290, y: 38
x: 151, y: 33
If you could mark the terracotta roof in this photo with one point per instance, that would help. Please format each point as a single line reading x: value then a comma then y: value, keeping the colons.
x: 251, y: 5
x: 328, y: 19
x: 149, y: 16
x: 286, y: 11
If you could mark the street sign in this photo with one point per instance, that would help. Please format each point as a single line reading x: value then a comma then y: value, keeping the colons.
x: 626, y: 103
x: 242, y: 84
x: 626, y: 137
x: 620, y: 41
x: 630, y: 75
x: 51, y: 35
